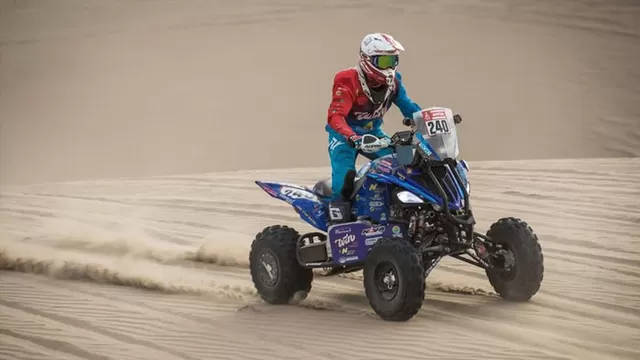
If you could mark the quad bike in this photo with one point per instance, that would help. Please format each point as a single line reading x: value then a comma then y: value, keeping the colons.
x: 407, y: 211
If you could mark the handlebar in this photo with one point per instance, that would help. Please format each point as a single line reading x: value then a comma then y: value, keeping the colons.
x: 400, y: 137
x: 457, y: 119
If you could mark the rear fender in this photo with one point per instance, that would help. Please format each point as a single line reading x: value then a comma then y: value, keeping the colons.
x: 308, y: 205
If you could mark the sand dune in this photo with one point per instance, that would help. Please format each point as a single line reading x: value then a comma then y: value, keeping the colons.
x: 148, y: 88
x: 181, y: 261
x: 131, y: 133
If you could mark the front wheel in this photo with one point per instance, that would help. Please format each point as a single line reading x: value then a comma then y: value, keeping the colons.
x: 394, y: 280
x: 518, y: 262
x: 274, y: 267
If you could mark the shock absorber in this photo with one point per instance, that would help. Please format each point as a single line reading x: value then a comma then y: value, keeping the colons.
x: 420, y: 227
x: 411, y: 230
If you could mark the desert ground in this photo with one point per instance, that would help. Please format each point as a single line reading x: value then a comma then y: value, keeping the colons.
x: 131, y: 133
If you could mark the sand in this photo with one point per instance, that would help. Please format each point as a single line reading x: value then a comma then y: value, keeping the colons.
x: 131, y: 133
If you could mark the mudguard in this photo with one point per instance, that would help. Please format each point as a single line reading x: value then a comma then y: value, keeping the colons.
x: 387, y: 171
x: 308, y: 205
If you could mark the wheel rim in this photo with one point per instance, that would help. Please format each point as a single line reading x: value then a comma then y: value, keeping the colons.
x: 386, y: 280
x: 506, y: 260
x: 268, y: 270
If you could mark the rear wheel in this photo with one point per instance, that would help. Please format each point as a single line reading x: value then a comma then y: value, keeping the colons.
x: 394, y: 280
x: 519, y: 261
x: 274, y: 267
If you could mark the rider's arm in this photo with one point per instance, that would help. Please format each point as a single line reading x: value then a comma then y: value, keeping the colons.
x: 403, y: 102
x: 378, y: 132
x: 341, y: 102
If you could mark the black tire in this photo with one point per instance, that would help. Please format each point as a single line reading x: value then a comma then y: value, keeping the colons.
x: 279, y: 243
x: 405, y: 300
x: 523, y: 281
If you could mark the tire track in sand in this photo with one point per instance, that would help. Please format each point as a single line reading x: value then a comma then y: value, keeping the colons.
x: 174, y: 244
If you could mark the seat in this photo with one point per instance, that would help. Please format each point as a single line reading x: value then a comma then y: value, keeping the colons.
x: 323, y: 187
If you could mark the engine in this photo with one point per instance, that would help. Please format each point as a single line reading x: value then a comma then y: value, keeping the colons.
x: 421, y: 223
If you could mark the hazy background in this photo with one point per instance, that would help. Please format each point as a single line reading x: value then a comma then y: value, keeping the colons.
x: 92, y: 90
x: 102, y: 89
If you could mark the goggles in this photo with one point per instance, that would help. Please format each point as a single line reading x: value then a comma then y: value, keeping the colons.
x: 384, y: 62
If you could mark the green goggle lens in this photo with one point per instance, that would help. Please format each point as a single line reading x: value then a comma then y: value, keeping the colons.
x: 385, y: 61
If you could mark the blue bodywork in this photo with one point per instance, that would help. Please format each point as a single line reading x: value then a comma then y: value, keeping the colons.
x: 308, y: 205
x: 350, y: 242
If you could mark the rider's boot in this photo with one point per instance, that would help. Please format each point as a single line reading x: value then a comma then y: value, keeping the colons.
x: 340, y: 209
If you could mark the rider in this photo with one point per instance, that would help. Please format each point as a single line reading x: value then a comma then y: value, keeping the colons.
x: 361, y: 96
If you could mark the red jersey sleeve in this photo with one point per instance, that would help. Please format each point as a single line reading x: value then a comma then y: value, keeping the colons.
x: 341, y: 102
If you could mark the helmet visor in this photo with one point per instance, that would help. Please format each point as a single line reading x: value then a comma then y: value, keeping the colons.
x: 384, y: 62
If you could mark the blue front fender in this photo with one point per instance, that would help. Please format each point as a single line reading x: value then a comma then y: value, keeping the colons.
x: 389, y: 179
x: 413, y: 187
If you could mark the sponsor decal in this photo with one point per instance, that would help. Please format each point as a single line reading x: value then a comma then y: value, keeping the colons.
x: 374, y: 230
x: 344, y: 259
x: 372, y: 241
x: 384, y: 169
x: 365, y: 115
x: 425, y: 149
x: 342, y: 230
x: 347, y: 251
x: 296, y: 193
x: 269, y: 190
x: 345, y: 240
x: 434, y: 114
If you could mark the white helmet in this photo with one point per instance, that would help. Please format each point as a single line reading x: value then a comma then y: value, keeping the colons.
x: 379, y: 57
